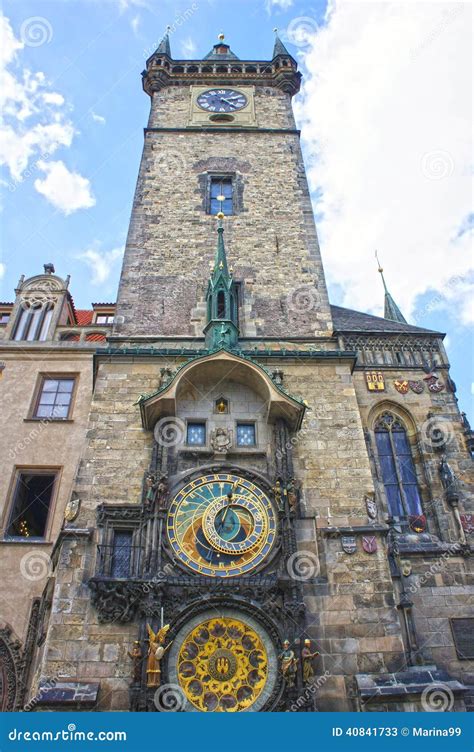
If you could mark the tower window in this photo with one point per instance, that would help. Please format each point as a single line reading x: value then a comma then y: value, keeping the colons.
x: 31, y: 504
x: 121, y: 553
x: 246, y: 435
x: 398, y: 469
x: 221, y: 305
x: 33, y: 322
x: 55, y: 398
x: 221, y: 196
x: 196, y: 434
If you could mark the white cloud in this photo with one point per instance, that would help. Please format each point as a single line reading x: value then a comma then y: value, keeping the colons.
x: 98, y: 118
x: 271, y: 5
x: 34, y: 125
x: 135, y: 23
x: 67, y: 191
x: 3, y: 269
x: 188, y: 47
x: 101, y: 263
x: 386, y: 125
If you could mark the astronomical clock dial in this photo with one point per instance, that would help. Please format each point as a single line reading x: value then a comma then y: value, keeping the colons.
x: 221, y: 100
x: 221, y: 525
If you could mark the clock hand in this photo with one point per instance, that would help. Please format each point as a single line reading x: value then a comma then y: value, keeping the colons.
x: 231, y: 104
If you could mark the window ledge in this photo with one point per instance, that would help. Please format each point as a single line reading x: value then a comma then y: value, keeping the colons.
x: 26, y: 541
x: 48, y: 420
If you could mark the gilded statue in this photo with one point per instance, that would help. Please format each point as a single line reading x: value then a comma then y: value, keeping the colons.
x: 307, y: 656
x: 156, y: 651
x: 288, y: 664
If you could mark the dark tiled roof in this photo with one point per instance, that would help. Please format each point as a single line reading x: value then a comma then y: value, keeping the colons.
x: 347, y: 320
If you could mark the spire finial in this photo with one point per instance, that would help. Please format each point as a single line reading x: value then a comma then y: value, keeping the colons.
x: 391, y: 310
x: 221, y: 36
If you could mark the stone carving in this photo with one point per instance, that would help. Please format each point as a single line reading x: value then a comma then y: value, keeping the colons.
x: 136, y: 655
x: 72, y: 510
x: 369, y: 544
x: 448, y: 478
x: 221, y: 440
x: 349, y: 545
x: 308, y: 656
x: 288, y: 664
x: 156, y: 651
x: 371, y: 506
x: 292, y: 491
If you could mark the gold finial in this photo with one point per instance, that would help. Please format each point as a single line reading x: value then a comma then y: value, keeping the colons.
x: 221, y: 37
x: 220, y: 215
x: 378, y: 262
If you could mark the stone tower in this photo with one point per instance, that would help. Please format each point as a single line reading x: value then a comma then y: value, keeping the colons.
x: 255, y: 493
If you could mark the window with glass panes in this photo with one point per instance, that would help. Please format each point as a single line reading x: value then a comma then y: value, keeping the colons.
x: 221, y: 196
x: 246, y: 435
x: 54, y: 399
x: 397, y: 466
x: 121, y: 553
x: 196, y: 434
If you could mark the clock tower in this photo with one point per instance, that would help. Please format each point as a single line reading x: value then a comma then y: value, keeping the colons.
x: 240, y: 521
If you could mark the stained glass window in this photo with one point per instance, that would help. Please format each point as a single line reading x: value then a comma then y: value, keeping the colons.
x: 397, y: 466
x: 196, y: 434
x: 122, y: 553
x: 246, y: 434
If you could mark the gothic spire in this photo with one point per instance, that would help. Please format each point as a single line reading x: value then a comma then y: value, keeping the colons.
x: 279, y: 48
x: 164, y: 47
x: 221, y: 327
x: 391, y: 310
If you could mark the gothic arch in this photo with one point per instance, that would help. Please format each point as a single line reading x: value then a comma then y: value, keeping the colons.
x: 11, y: 667
x: 403, y: 415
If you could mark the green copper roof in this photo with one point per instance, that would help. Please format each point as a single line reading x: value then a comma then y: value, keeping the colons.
x: 391, y: 310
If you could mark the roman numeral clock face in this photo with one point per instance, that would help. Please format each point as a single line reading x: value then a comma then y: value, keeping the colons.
x: 221, y: 100
x: 221, y: 525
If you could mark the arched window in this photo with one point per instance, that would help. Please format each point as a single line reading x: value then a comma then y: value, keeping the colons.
x: 221, y: 305
x: 33, y: 322
x: 398, y: 468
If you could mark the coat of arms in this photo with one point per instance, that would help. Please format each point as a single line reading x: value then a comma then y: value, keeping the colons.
x: 417, y: 522
x: 433, y: 382
x: 375, y: 381
x: 72, y: 509
x: 349, y: 544
x: 467, y: 522
x: 401, y: 385
x: 369, y: 544
x: 416, y: 386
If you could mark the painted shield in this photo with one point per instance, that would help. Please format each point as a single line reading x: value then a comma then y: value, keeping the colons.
x: 401, y: 386
x: 416, y: 386
x: 417, y: 522
x: 349, y: 544
x: 375, y: 381
x: 371, y: 506
x: 72, y: 509
x: 467, y: 522
x: 433, y: 383
x: 369, y: 544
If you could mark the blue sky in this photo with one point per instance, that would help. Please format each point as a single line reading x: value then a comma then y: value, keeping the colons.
x: 386, y: 134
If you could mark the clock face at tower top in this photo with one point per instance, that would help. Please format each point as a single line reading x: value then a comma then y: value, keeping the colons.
x: 221, y: 525
x: 221, y: 100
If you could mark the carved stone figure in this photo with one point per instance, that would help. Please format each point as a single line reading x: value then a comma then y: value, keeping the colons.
x: 156, y: 651
x: 448, y: 478
x: 221, y: 440
x: 136, y: 655
x: 307, y: 656
x: 162, y: 492
x: 277, y: 495
x: 288, y: 664
x: 292, y: 491
x: 151, y: 486
x: 465, y: 422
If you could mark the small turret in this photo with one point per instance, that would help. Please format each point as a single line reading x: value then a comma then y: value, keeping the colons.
x: 221, y: 329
